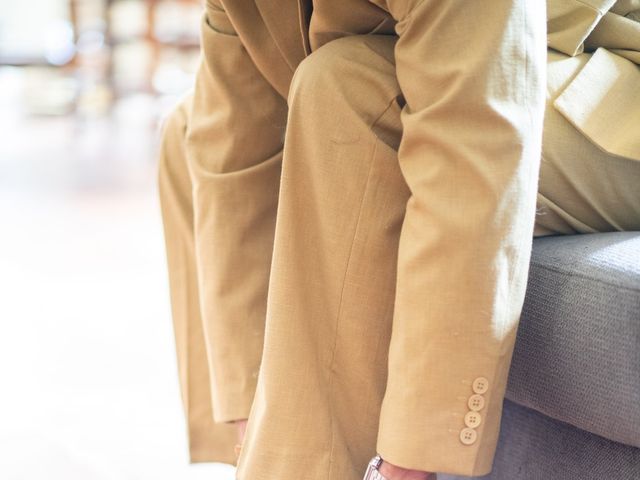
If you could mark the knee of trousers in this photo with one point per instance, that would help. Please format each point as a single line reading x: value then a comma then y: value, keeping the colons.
x: 345, y: 84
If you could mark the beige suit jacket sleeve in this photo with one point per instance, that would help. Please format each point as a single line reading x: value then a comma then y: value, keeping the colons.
x: 472, y: 74
x: 234, y: 145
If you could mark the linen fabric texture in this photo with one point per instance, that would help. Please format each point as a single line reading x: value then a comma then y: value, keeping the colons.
x: 349, y: 197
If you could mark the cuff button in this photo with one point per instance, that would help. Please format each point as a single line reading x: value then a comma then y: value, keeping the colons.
x: 475, y: 402
x: 480, y: 385
x: 472, y: 419
x: 468, y: 436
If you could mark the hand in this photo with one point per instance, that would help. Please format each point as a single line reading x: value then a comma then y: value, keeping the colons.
x: 393, y: 472
x: 242, y: 428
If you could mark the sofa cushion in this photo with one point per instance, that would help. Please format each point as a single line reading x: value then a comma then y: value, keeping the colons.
x: 577, y: 353
x: 533, y: 446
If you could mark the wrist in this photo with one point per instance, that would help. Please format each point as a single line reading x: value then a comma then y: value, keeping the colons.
x: 394, y: 472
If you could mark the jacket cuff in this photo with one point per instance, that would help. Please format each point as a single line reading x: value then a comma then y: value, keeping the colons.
x: 442, y: 409
x: 232, y: 400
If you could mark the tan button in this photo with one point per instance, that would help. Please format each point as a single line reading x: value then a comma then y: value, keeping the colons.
x: 476, y: 402
x: 472, y: 419
x: 468, y: 436
x: 480, y: 385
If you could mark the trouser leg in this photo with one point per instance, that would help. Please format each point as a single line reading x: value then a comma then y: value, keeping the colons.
x: 582, y: 189
x: 234, y: 150
x: 342, y: 200
x: 208, y: 441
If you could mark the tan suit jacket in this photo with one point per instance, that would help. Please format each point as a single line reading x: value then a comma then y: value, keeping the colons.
x: 603, y: 100
x: 251, y: 50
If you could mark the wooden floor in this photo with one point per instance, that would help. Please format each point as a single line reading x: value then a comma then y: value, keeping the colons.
x: 89, y: 388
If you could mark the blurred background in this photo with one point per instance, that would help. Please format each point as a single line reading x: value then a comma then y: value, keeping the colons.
x: 88, y: 377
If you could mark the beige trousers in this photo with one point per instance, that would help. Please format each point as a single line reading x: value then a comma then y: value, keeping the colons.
x: 207, y: 439
x: 331, y: 214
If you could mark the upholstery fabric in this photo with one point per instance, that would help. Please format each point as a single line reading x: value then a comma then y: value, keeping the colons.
x: 535, y: 447
x: 577, y: 354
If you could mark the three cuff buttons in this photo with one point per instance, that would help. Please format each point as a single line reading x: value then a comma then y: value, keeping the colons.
x: 473, y: 418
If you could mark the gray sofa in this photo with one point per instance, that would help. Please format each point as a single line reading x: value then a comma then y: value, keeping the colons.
x: 572, y: 407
